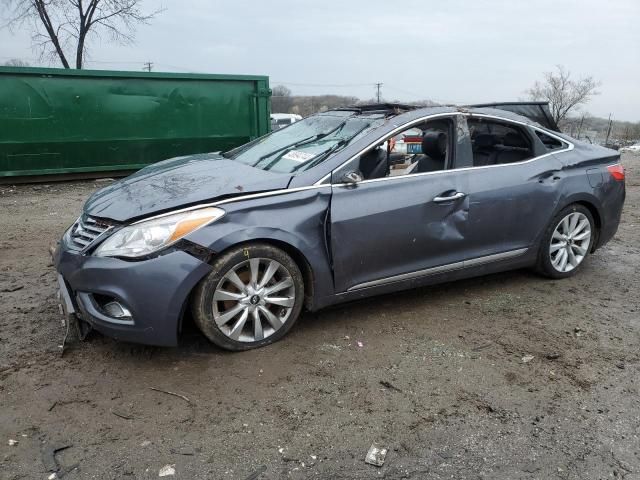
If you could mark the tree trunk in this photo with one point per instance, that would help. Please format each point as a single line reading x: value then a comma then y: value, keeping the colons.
x: 41, y: 8
x: 80, y: 50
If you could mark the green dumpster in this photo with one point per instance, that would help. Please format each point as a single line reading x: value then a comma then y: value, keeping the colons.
x: 58, y: 121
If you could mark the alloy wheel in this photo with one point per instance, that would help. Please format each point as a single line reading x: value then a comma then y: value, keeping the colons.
x: 253, y: 300
x: 570, y: 242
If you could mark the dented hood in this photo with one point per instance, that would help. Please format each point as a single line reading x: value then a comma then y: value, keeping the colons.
x: 180, y: 182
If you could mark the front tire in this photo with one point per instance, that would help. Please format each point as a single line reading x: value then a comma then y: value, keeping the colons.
x: 252, y: 297
x: 566, y: 242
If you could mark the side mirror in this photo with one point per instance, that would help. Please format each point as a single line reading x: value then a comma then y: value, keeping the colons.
x: 352, y: 177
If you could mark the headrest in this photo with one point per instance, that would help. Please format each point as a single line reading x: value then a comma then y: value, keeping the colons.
x: 512, y: 139
x: 370, y: 160
x: 484, y: 140
x: 434, y: 144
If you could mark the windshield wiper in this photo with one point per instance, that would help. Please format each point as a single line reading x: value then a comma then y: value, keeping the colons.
x: 320, y: 157
x: 300, y: 143
x: 329, y: 151
x: 286, y: 147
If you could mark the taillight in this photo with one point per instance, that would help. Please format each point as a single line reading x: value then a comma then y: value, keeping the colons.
x: 616, y: 171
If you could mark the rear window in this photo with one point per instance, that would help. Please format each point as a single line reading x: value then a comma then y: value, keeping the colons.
x: 496, y: 143
x: 550, y: 142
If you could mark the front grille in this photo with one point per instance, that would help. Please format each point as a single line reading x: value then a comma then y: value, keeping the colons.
x: 86, y: 230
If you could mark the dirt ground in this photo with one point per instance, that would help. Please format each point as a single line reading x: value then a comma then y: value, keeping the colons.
x: 438, y: 375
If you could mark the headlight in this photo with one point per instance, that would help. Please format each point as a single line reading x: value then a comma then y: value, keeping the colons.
x: 148, y: 236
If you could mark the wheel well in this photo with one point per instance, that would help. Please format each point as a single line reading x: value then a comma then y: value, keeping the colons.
x: 298, y: 257
x: 596, y: 218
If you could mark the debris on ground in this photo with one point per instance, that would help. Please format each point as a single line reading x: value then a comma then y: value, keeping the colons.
x: 254, y: 476
x: 51, y: 463
x: 12, y: 442
x: 170, y: 393
x: 325, y: 347
x: 376, y: 455
x: 360, y: 344
x: 482, y: 347
x: 122, y: 415
x: 527, y: 358
x: 188, y: 451
x: 167, y: 471
x: 552, y: 356
x: 389, y: 385
x: 13, y: 288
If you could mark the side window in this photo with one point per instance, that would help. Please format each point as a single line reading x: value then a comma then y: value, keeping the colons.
x: 495, y: 143
x: 550, y: 142
x: 426, y: 147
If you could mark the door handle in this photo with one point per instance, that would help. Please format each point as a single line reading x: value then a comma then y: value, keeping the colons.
x: 451, y: 198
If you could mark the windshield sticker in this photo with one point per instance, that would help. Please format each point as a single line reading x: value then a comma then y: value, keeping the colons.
x: 298, y: 156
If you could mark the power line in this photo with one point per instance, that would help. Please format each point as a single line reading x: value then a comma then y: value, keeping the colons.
x: 378, y: 85
x: 337, y: 85
x: 148, y: 66
x: 424, y: 97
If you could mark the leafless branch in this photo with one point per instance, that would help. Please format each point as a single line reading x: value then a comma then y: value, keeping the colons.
x: 563, y: 93
x: 61, y: 26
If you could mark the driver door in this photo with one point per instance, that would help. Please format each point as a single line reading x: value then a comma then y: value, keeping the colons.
x: 394, y: 228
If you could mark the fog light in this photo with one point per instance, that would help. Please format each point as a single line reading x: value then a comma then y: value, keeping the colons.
x: 116, y: 310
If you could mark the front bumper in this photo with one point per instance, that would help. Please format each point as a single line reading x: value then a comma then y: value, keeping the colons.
x: 155, y: 291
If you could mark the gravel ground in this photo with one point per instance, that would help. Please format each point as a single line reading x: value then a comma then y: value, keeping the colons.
x: 437, y: 375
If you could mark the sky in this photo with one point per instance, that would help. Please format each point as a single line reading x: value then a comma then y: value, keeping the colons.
x: 456, y: 51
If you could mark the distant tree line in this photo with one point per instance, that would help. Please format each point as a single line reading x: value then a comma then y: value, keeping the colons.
x: 596, y: 130
x: 282, y: 101
x: 565, y: 94
x: 16, y: 62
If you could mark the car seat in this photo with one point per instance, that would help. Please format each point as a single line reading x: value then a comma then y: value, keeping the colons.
x: 484, y: 149
x: 514, y: 148
x: 434, y: 150
x: 373, y: 164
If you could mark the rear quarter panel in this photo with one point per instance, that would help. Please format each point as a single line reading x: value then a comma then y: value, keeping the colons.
x: 585, y: 179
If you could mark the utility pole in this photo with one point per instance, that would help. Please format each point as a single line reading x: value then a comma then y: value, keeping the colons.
x: 580, y: 127
x: 148, y: 66
x: 606, y: 142
x: 378, y: 85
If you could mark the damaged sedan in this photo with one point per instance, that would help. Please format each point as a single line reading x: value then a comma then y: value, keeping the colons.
x: 339, y: 206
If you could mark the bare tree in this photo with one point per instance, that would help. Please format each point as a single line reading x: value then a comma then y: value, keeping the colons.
x: 563, y: 93
x: 281, y: 100
x: 15, y: 62
x: 63, y: 26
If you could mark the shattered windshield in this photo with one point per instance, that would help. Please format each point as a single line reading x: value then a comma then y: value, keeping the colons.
x: 306, y: 143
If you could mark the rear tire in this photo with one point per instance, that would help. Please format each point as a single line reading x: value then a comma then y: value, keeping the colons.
x: 251, y: 298
x: 566, y: 242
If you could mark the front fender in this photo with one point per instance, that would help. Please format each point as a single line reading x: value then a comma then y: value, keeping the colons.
x: 296, y: 219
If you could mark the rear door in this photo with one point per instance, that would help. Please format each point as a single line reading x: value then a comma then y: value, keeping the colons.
x: 512, y: 187
x: 398, y: 227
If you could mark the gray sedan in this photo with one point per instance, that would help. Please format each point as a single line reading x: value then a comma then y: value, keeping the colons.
x: 342, y: 205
